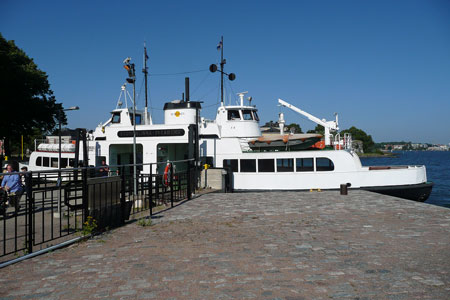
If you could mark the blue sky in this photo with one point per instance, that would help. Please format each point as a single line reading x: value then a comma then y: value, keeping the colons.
x: 384, y: 66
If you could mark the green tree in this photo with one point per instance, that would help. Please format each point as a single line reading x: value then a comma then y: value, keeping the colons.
x: 318, y: 129
x: 296, y: 127
x: 28, y: 104
x: 358, y: 134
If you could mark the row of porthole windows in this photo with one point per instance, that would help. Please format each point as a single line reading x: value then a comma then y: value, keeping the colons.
x: 267, y: 165
x: 52, y: 162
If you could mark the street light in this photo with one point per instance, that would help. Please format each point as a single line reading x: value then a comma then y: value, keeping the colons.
x: 58, y: 214
x: 132, y: 79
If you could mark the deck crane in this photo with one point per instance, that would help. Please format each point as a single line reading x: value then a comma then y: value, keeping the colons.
x: 328, y: 125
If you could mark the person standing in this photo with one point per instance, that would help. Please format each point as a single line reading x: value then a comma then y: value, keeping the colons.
x: 104, y: 170
x: 12, y: 184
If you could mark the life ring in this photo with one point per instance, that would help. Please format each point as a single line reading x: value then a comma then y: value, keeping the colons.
x: 319, y: 145
x: 166, y: 173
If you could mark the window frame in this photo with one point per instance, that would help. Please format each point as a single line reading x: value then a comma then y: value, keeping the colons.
x: 284, y: 169
x: 247, y: 112
x: 44, y: 160
x: 328, y: 168
x: 230, y: 165
x: 115, y: 121
x: 266, y: 159
x: 54, y: 160
x: 255, y: 115
x: 302, y: 168
x: 250, y: 170
x: 229, y: 111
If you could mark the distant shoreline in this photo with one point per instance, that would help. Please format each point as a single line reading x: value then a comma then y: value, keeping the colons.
x: 390, y: 154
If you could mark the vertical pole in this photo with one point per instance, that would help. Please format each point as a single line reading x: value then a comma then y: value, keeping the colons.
x: 189, y: 180
x: 59, y: 142
x: 122, y: 194
x: 145, y: 77
x: 58, y: 213
x: 30, y: 204
x: 22, y: 145
x: 186, y: 88
x: 85, y: 194
x: 221, y: 71
x: 134, y: 134
x: 171, y: 184
x: 150, y: 190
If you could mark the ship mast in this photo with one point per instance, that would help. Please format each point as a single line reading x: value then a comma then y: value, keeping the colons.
x: 147, y: 118
x: 222, y: 63
x: 213, y: 68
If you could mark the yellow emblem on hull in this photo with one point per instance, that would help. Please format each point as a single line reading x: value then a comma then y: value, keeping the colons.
x: 177, y: 113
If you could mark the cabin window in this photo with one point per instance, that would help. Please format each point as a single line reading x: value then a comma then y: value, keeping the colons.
x: 231, y: 163
x: 247, y: 114
x: 39, y: 161
x: 63, y: 162
x: 255, y: 115
x: 54, y: 161
x: 71, y: 162
x: 285, y: 165
x: 324, y: 164
x: 266, y: 165
x: 116, y: 117
x: 233, y: 114
x: 248, y: 165
x: 138, y: 119
x: 305, y: 164
x: 45, y: 162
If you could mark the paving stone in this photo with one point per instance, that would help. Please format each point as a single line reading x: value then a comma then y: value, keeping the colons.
x: 273, y: 245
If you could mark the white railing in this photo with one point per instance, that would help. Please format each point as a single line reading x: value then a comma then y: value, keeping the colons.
x: 344, y: 143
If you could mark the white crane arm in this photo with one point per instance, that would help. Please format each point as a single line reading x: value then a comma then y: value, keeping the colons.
x: 332, y: 125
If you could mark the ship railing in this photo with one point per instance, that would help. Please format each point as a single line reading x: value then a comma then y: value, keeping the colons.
x: 37, y: 142
x: 58, y: 206
x: 344, y: 143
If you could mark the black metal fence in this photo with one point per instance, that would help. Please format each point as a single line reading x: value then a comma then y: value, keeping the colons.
x: 57, y: 205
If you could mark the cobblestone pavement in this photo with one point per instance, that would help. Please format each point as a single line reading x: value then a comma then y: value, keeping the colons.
x: 273, y: 245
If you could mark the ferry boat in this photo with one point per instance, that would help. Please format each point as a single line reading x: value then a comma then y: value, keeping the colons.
x: 233, y: 141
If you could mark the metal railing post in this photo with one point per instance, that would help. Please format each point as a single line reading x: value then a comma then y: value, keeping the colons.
x: 85, y: 199
x: 189, y: 181
x: 30, y: 200
x: 171, y: 184
x: 122, y: 195
x: 179, y: 188
x: 150, y: 190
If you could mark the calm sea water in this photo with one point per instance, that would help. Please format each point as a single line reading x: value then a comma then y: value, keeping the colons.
x: 438, y: 170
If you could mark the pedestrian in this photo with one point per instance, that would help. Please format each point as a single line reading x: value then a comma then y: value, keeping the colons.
x: 104, y: 170
x: 12, y: 184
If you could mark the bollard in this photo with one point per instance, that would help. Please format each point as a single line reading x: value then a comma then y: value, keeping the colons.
x: 344, y: 190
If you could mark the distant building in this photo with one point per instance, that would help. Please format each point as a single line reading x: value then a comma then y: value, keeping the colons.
x: 438, y: 148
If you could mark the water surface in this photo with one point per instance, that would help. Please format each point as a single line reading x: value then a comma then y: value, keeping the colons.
x: 438, y: 170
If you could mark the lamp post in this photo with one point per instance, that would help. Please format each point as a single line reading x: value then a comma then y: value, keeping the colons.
x: 58, y: 213
x: 132, y: 79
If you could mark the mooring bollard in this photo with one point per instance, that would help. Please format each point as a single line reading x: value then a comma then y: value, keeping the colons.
x: 344, y: 190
